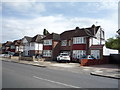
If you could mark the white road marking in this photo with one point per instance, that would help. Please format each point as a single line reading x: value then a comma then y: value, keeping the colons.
x: 56, y: 82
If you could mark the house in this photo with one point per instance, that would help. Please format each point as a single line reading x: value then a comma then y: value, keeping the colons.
x: 6, y: 47
x: 26, y: 45
x: 76, y: 42
x: 0, y: 48
x: 32, y: 45
x: 16, y: 46
x: 118, y: 31
x: 51, y: 44
x: 36, y: 45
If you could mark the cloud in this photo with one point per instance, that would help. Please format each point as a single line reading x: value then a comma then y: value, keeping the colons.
x: 24, y: 8
x: 18, y: 28
x: 104, y: 5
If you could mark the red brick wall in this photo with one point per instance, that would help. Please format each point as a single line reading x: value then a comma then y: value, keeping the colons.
x: 12, y: 50
x: 55, y: 49
x: 79, y: 47
x: 88, y: 62
x: 47, y: 47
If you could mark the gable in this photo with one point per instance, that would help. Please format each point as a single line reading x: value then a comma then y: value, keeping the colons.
x: 100, y: 34
x: 25, y: 40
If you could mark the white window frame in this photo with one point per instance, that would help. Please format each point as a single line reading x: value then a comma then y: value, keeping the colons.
x: 64, y: 43
x: 78, y: 53
x: 47, y: 53
x: 47, y: 42
x: 12, y: 47
x: 79, y: 40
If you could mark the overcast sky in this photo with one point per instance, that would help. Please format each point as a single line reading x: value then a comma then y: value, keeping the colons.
x: 21, y: 19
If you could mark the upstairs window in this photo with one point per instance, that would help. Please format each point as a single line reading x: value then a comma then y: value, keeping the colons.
x: 64, y: 43
x: 79, y: 40
x: 32, y: 44
x: 47, y: 42
x: 12, y: 47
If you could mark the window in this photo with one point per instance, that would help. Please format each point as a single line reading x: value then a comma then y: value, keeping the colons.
x: 47, y: 53
x: 78, y: 53
x: 12, y: 47
x: 95, y: 53
x: 32, y: 44
x: 64, y: 43
x: 79, y: 40
x: 47, y: 42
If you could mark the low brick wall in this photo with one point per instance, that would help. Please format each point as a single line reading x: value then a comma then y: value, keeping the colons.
x: 88, y: 62
x: 31, y: 58
x: 27, y: 58
x: 14, y: 57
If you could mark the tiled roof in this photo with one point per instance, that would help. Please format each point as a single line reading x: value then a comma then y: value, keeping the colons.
x: 53, y: 36
x: 8, y: 43
x: 79, y: 32
x: 38, y: 38
x: 17, y: 42
x: 28, y: 38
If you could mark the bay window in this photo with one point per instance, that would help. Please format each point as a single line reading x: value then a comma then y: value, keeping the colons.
x: 79, y: 40
x: 78, y: 53
x: 47, y: 42
x: 47, y: 53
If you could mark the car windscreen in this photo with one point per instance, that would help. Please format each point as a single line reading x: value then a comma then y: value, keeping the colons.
x: 64, y: 54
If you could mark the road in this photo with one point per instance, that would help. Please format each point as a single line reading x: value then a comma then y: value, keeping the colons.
x: 15, y: 75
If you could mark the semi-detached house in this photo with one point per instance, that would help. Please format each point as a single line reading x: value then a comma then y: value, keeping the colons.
x: 16, y: 46
x: 32, y: 45
x: 76, y: 42
x: 51, y: 44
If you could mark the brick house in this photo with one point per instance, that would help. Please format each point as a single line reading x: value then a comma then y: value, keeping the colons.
x: 32, y: 45
x: 36, y: 45
x: 77, y: 42
x: 16, y: 46
x: 51, y: 44
x: 0, y: 48
x: 118, y: 31
x: 26, y: 45
x: 6, y: 47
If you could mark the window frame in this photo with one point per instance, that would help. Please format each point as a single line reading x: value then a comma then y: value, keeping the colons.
x: 47, y: 42
x: 79, y: 40
x: 47, y: 53
x: 78, y: 53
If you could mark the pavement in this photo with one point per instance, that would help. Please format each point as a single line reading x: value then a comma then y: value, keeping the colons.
x: 106, y: 70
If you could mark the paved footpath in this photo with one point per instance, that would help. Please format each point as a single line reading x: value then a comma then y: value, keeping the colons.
x: 106, y: 70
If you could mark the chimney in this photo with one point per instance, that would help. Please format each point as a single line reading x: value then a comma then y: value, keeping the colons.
x: 93, y: 27
x: 77, y: 28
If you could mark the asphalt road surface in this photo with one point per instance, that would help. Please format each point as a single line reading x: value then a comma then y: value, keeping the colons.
x: 15, y: 75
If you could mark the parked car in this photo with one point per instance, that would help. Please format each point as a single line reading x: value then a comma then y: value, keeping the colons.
x: 87, y: 57
x: 6, y: 55
x: 2, y: 55
x: 63, y: 57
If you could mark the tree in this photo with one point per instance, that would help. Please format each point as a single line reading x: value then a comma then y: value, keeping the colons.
x: 45, y: 32
x: 113, y: 43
